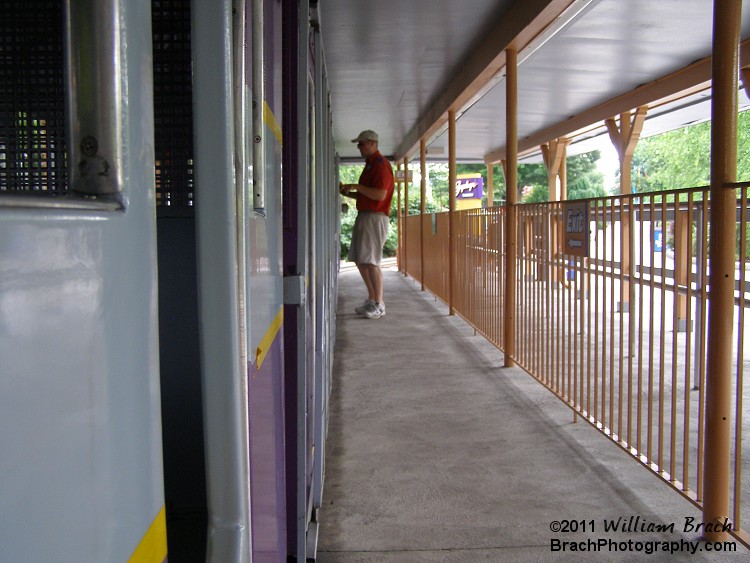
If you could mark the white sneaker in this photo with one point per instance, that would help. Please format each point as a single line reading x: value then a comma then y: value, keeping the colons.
x: 364, y: 307
x: 375, y: 311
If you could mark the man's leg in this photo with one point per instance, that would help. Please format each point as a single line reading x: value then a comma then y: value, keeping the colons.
x: 364, y: 271
x: 373, y: 277
x: 376, y: 275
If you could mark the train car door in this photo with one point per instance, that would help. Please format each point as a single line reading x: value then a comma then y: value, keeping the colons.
x: 80, y: 435
x: 237, y: 100
x: 299, y: 235
x: 310, y: 264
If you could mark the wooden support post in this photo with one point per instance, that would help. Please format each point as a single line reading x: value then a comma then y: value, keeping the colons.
x: 625, y: 140
x: 406, y: 216
x: 399, y: 225
x: 563, y: 176
x: 511, y: 169
x: 562, y: 173
x: 490, y: 183
x: 422, y: 204
x: 554, y: 154
x: 451, y: 211
x: 721, y: 279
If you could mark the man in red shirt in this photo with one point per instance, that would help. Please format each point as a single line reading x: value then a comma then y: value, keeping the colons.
x: 373, y: 194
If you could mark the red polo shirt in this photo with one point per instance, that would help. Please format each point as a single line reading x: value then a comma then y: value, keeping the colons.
x: 377, y: 174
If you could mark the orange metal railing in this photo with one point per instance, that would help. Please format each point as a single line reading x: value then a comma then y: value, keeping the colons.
x: 412, y: 230
x: 619, y: 333
x: 479, y: 270
x: 435, y: 232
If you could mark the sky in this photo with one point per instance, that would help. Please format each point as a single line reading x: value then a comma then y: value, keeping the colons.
x: 608, y: 164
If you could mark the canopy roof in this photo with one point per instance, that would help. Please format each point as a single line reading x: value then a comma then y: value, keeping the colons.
x: 398, y: 66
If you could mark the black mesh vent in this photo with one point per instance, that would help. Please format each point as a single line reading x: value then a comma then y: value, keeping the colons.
x: 32, y: 104
x: 173, y: 103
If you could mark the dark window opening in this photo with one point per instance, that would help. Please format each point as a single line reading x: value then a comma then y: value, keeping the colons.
x: 173, y: 103
x: 32, y: 101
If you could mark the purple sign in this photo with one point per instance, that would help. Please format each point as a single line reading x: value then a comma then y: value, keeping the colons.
x: 470, y: 186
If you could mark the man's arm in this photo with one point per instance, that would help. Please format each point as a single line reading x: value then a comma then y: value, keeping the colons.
x: 345, y: 192
x: 371, y: 193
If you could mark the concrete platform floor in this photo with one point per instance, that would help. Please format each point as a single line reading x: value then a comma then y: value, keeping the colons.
x: 437, y: 453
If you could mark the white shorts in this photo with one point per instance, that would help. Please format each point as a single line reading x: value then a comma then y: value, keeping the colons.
x: 368, y: 238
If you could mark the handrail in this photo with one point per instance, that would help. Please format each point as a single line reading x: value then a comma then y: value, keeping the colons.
x: 623, y: 347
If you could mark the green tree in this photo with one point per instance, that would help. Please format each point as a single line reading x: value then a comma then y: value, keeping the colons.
x: 535, y: 194
x: 584, y: 180
x: 532, y: 179
x: 348, y: 174
x: 672, y: 160
x: 682, y: 158
x: 437, y: 180
x: 743, y: 147
x: 499, y: 191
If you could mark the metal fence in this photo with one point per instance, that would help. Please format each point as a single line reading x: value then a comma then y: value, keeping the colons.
x: 614, y: 323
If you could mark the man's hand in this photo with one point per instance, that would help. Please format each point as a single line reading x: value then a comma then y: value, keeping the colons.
x: 347, y: 190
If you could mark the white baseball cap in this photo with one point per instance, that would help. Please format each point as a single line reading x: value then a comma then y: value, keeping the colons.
x: 366, y: 135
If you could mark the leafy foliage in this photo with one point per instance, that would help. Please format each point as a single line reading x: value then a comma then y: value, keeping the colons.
x: 676, y: 159
x: 682, y: 158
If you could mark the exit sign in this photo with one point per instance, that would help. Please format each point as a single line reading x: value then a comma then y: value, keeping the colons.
x: 575, y: 238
